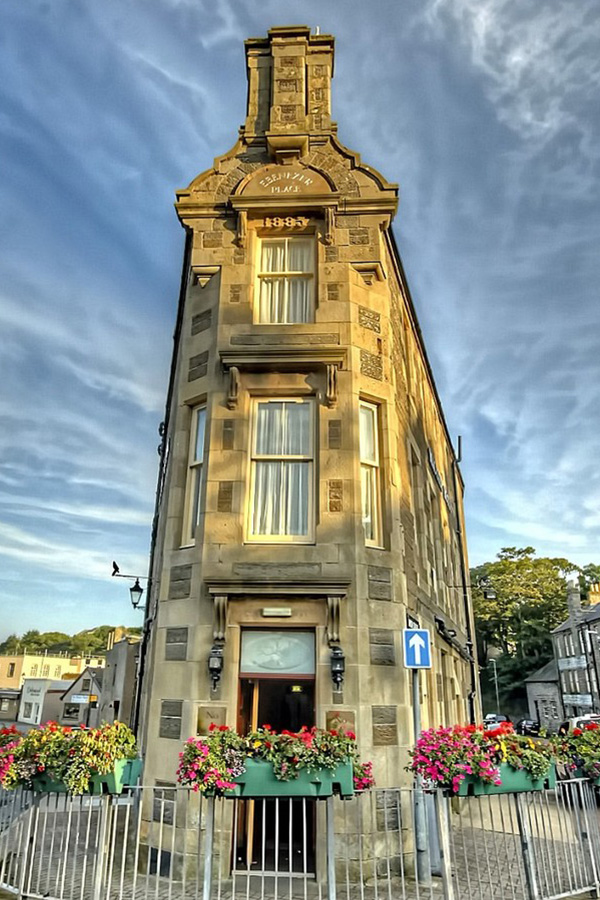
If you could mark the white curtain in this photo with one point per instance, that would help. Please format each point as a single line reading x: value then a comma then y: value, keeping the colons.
x: 283, y: 429
x: 281, y: 498
x: 367, y: 477
x: 281, y: 487
x: 368, y: 447
x: 288, y: 298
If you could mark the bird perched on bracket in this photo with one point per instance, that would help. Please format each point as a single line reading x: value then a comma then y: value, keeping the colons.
x: 116, y: 569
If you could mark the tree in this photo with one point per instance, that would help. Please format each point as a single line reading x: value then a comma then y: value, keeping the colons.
x: 518, y: 600
x: 92, y: 642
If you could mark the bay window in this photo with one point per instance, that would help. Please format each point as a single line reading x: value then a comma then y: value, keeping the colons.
x: 281, y: 500
x: 194, y: 476
x: 370, y: 477
x: 285, y: 280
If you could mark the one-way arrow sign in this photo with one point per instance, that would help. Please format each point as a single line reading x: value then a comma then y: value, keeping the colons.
x: 417, y: 648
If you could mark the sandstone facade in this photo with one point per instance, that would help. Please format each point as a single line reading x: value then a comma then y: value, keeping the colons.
x: 293, y: 292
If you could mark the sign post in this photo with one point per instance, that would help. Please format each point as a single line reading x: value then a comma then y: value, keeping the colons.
x: 417, y: 655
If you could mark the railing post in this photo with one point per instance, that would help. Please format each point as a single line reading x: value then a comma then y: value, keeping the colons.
x: 527, y: 849
x: 209, y: 835
x: 26, y: 853
x: 331, y: 886
x: 105, y: 801
x: 584, y: 830
x: 443, y: 829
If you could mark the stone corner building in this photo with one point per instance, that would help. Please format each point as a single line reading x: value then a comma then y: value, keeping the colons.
x: 310, y: 502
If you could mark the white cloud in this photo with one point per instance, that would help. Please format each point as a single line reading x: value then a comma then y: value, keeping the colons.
x: 55, y: 556
x: 540, y: 60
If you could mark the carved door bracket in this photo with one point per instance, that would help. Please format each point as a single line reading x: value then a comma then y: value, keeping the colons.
x: 331, y: 390
x: 334, y: 605
x: 220, y: 604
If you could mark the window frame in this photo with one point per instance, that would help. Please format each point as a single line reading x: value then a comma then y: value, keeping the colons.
x: 374, y: 467
x: 310, y: 458
x: 194, y: 477
x: 286, y: 275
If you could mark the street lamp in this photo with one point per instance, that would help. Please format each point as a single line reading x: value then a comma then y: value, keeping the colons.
x: 136, y: 590
x: 492, y: 662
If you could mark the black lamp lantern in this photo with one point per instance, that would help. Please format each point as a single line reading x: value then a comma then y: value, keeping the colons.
x: 338, y: 667
x: 136, y: 592
x: 215, y: 665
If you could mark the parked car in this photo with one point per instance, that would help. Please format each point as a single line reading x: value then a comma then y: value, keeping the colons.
x: 578, y: 722
x: 493, y: 719
x: 529, y: 727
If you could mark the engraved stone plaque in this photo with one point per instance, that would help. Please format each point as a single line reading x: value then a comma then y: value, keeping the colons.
x: 210, y: 715
x: 294, y: 179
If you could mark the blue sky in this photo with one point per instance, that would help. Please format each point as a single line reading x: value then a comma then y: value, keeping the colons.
x: 486, y: 113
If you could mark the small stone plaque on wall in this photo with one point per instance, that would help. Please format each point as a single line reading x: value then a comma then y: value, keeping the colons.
x: 210, y: 715
x: 336, y: 495
x: 371, y: 365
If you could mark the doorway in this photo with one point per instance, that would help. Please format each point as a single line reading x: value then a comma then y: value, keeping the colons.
x: 276, y: 835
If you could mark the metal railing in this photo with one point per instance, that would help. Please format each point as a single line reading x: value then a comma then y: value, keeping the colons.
x: 173, y: 844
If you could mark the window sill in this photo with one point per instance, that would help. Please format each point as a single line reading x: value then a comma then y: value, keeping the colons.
x: 280, y: 540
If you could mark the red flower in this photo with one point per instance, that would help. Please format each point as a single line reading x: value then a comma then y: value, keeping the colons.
x: 223, y: 727
x: 267, y: 728
x: 351, y: 735
x: 212, y: 726
x: 591, y: 726
x: 577, y: 732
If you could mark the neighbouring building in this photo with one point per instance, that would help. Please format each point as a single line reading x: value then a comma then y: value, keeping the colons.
x: 118, y: 682
x: 9, y: 704
x: 16, y: 667
x: 80, y: 700
x: 310, y: 498
x: 41, y: 700
x: 544, y: 697
x: 577, y: 652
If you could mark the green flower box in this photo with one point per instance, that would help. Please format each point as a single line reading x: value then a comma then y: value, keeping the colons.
x: 514, y: 781
x: 126, y: 772
x: 259, y: 781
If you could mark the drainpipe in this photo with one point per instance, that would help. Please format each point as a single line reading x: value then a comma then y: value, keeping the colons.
x: 464, y: 575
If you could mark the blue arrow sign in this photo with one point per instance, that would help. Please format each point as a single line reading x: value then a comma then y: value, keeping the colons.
x: 417, y: 648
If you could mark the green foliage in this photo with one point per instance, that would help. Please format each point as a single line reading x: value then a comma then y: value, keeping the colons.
x: 91, y: 642
x: 530, y: 601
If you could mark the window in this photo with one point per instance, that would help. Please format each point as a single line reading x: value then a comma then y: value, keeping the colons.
x: 45, y: 671
x: 85, y: 684
x: 4, y: 704
x: 281, y: 504
x: 71, y: 711
x: 34, y: 671
x: 11, y: 670
x: 286, y: 281
x: 194, y: 480
x: 27, y: 710
x: 370, y: 474
x: 57, y: 672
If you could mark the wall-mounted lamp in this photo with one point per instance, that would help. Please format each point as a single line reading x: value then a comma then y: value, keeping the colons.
x: 136, y: 593
x: 215, y: 664
x: 338, y: 667
x: 136, y: 590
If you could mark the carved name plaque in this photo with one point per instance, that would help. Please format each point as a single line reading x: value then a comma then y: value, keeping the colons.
x: 274, y: 180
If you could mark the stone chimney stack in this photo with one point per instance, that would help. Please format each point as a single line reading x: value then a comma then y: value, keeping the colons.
x: 289, y: 87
